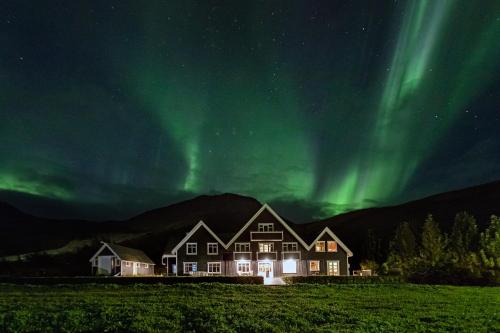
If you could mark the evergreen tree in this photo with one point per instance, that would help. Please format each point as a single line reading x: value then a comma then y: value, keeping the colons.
x: 433, y: 248
x: 402, y: 250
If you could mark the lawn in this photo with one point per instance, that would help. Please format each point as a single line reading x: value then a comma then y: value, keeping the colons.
x: 248, y: 308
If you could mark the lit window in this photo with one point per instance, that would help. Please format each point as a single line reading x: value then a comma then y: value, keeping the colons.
x: 332, y: 246
x: 127, y: 263
x: 263, y: 227
x: 191, y: 248
x: 332, y: 267
x: 266, y: 247
x: 243, y: 267
x: 290, y: 247
x: 212, y: 248
x: 290, y: 266
x: 214, y: 267
x: 190, y: 267
x: 320, y: 246
x: 145, y: 265
x: 242, y: 247
x: 314, y: 265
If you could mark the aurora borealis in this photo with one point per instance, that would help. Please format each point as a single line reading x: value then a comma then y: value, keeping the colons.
x: 109, y: 108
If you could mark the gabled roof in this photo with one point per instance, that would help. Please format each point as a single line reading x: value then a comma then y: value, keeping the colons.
x: 331, y: 234
x: 193, y: 231
x: 270, y: 210
x: 125, y: 253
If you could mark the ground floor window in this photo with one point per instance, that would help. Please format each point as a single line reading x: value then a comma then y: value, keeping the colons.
x: 214, y: 267
x: 332, y: 267
x: 243, y: 267
x: 289, y: 266
x: 190, y: 267
x: 314, y: 265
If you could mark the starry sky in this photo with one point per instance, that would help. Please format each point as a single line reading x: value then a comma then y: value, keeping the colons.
x: 109, y: 108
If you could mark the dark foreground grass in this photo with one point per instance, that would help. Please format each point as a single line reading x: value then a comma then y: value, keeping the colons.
x: 247, y: 308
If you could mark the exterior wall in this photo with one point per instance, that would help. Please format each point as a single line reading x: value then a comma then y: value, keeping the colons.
x: 227, y: 257
x: 114, y: 268
x: 323, y: 257
x: 141, y: 270
x: 200, y: 237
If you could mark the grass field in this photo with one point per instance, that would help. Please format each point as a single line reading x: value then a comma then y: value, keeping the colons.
x: 248, y: 308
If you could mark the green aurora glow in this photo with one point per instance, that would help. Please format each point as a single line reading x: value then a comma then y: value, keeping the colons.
x: 339, y: 105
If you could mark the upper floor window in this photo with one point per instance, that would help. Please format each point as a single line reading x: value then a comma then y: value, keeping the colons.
x: 191, y: 248
x: 320, y: 246
x: 266, y: 247
x: 331, y: 246
x: 262, y: 227
x: 290, y: 246
x: 242, y: 247
x: 212, y: 248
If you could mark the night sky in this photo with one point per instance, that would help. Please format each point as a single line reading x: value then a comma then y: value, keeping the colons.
x: 109, y: 108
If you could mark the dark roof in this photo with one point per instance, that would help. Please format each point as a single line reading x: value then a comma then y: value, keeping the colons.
x: 129, y: 254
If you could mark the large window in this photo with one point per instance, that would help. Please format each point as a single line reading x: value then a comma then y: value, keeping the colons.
x: 212, y: 248
x: 314, y: 266
x: 243, y: 267
x: 262, y: 227
x: 290, y: 266
x: 320, y: 246
x: 266, y: 247
x: 242, y: 247
x: 332, y: 267
x: 214, y: 267
x: 290, y: 246
x: 331, y: 246
x: 190, y: 267
x: 191, y: 248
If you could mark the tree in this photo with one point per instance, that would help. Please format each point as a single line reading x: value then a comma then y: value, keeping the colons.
x: 463, y: 244
x: 433, y: 247
x: 402, y: 250
x: 489, y: 246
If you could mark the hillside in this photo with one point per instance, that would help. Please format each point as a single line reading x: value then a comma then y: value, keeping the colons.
x: 22, y: 233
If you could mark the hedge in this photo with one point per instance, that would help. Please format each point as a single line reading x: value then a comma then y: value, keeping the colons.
x: 325, y: 279
x: 132, y: 280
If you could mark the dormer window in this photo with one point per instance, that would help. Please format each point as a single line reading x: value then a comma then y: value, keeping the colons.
x: 263, y: 227
x: 191, y: 248
x: 320, y: 246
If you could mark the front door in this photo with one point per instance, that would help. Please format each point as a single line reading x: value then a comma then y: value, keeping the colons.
x: 332, y: 267
x: 266, y: 269
x: 135, y: 268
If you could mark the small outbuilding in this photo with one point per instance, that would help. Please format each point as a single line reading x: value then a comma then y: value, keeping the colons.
x: 117, y: 260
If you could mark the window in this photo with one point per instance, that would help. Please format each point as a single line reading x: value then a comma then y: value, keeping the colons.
x: 289, y: 247
x: 145, y: 265
x: 243, y: 267
x: 191, y: 248
x: 263, y: 227
x: 266, y: 247
x: 242, y: 247
x: 320, y: 246
x: 314, y: 265
x: 212, y: 248
x: 332, y: 246
x: 213, y: 267
x: 290, y: 266
x: 332, y: 267
x: 127, y: 263
x: 190, y: 267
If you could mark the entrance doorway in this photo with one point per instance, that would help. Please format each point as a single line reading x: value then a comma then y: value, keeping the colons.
x: 265, y: 269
